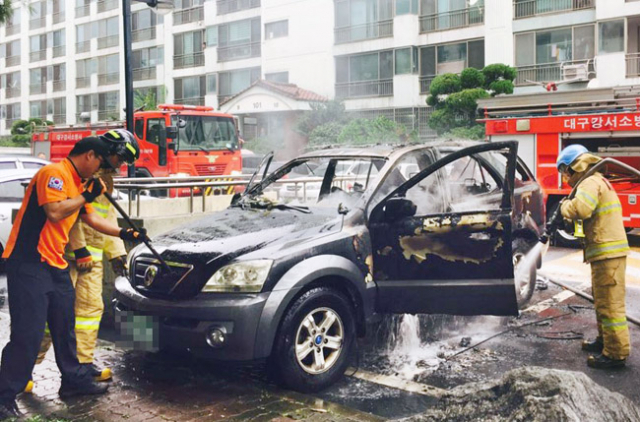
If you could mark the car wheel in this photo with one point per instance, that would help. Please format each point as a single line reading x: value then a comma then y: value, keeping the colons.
x: 314, y: 342
x: 524, y: 272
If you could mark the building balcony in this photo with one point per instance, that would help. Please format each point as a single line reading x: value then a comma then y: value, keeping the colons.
x: 35, y: 56
x: 82, y: 11
x: 633, y: 65
x: 83, y: 82
x: 12, y: 29
x: 59, y: 51
x: 230, y: 6
x: 104, y: 5
x: 104, y: 115
x: 188, y: 60
x: 38, y: 23
x: 425, y: 83
x: 83, y: 46
x: 193, y: 14
x: 367, y: 31
x: 106, y: 42
x: 59, y: 119
x: 143, y: 34
x: 452, y: 20
x: 576, y: 70
x: 144, y: 73
x: 198, y: 101
x: 37, y: 89
x: 380, y: 88
x: 528, y: 8
x: 12, y: 92
x: 238, y: 52
x: 59, y: 85
x: 12, y: 61
x: 108, y: 78
x: 58, y: 17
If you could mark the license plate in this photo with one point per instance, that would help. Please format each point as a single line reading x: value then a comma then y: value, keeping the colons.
x: 137, y: 332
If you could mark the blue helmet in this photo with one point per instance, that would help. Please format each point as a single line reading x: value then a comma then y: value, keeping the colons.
x: 569, y: 155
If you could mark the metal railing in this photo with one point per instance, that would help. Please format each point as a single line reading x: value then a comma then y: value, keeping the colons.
x: 83, y: 81
x: 144, y: 73
x: 188, y: 60
x: 108, y: 78
x: 110, y: 41
x: 453, y: 19
x: 12, y: 29
x: 108, y: 114
x: 190, y: 101
x: 59, y: 85
x: 193, y: 14
x: 12, y: 92
x: 582, y: 70
x: 528, y: 8
x: 238, y: 52
x: 37, y: 22
x: 12, y: 61
x: 633, y: 65
x: 104, y: 5
x: 59, y: 119
x: 82, y: 11
x: 35, y: 56
x: 83, y: 46
x: 366, y: 31
x: 425, y: 83
x: 58, y: 17
x: 143, y: 34
x: 37, y: 89
x: 380, y: 88
x: 59, y: 51
x: 230, y: 6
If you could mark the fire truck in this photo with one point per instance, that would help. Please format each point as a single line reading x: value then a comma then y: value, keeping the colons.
x: 176, y: 140
x: 605, y: 120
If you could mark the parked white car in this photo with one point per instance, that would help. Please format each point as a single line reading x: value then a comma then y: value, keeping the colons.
x: 19, y: 162
x: 12, y: 188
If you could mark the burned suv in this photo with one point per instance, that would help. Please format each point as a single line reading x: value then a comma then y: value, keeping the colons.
x: 294, y: 278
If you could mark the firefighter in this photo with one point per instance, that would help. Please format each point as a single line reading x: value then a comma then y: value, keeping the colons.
x: 84, y: 253
x: 38, y: 281
x: 597, y: 213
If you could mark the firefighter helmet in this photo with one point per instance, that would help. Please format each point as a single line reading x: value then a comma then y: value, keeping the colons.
x: 123, y: 144
x: 568, y: 155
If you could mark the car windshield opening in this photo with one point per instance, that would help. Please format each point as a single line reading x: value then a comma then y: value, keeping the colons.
x: 205, y: 132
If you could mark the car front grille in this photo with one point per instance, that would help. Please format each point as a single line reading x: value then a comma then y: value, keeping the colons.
x: 149, y: 277
x: 210, y: 169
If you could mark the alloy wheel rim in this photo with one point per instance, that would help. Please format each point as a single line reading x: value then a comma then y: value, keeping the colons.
x: 319, y: 341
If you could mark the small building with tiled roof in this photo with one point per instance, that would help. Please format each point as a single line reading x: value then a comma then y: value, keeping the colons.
x: 270, y: 110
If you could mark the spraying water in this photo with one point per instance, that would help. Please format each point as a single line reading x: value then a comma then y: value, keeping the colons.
x: 524, y: 266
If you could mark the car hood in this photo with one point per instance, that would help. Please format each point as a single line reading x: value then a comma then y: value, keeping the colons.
x: 236, y: 232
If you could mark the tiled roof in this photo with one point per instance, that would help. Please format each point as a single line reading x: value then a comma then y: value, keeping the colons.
x: 289, y: 90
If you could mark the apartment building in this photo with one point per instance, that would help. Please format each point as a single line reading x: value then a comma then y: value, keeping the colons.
x: 265, y: 60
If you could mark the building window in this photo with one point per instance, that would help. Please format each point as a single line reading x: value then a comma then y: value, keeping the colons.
x: 60, y: 110
x: 84, y: 33
x: 84, y: 69
x: 439, y: 15
x: 404, y: 7
x: 449, y: 58
x: 365, y: 75
x: 59, y: 43
x: 239, y: 40
x: 190, y: 90
x: 145, y: 61
x: 37, y: 48
x: 108, y: 69
x: 58, y: 11
x: 231, y: 83
x: 527, y: 8
x: 212, y: 83
x: 149, y: 95
x: 406, y: 60
x: 38, y: 81
x: 38, y: 13
x: 12, y: 26
x: 188, y: 49
x: 280, y: 77
x: 276, y: 29
x: 108, y: 103
x: 230, y: 6
x: 143, y: 25
x: 611, y: 36
x: 83, y: 8
x: 38, y: 109
x: 59, y: 77
x: 212, y: 36
x: 363, y: 19
x: 13, y: 114
x: 108, y: 32
x: 187, y: 11
x: 11, y: 51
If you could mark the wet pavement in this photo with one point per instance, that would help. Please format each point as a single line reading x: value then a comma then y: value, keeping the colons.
x: 403, y: 350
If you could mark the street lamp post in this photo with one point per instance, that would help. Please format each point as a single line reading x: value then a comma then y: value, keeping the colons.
x: 162, y: 7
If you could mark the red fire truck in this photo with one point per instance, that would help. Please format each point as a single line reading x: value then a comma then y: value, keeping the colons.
x: 176, y: 140
x: 605, y: 120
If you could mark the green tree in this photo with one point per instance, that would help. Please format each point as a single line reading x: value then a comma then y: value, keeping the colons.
x: 22, y: 130
x: 320, y: 114
x: 380, y: 130
x: 147, y: 99
x: 5, y: 11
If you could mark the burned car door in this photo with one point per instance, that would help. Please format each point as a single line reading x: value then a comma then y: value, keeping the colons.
x: 442, y: 243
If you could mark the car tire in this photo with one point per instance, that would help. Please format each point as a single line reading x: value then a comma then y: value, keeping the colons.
x: 525, y: 280
x: 299, y: 369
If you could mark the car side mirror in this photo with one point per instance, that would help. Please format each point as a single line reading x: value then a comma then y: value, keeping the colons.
x: 398, y: 208
x: 172, y: 132
x: 173, y: 146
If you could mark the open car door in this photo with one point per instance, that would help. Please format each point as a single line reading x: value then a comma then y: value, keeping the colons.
x: 442, y: 240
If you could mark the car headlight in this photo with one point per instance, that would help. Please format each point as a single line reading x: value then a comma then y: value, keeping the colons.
x: 240, y: 277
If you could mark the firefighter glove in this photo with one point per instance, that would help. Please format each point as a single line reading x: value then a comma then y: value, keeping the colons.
x: 134, y: 235
x: 93, y: 189
x: 84, y: 260
x: 119, y: 265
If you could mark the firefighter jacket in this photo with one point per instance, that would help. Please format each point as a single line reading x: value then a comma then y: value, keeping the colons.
x: 597, y: 203
x: 82, y: 235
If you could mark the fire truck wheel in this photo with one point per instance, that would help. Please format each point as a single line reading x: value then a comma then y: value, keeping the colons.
x: 524, y: 270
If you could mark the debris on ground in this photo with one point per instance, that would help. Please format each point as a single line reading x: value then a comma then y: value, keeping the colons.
x: 465, y: 342
x: 532, y: 394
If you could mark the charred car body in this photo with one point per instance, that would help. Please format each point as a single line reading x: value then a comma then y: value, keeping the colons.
x: 422, y: 229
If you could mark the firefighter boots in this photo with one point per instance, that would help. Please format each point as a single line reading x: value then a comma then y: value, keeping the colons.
x: 603, y: 362
x: 98, y: 374
x: 594, y: 346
